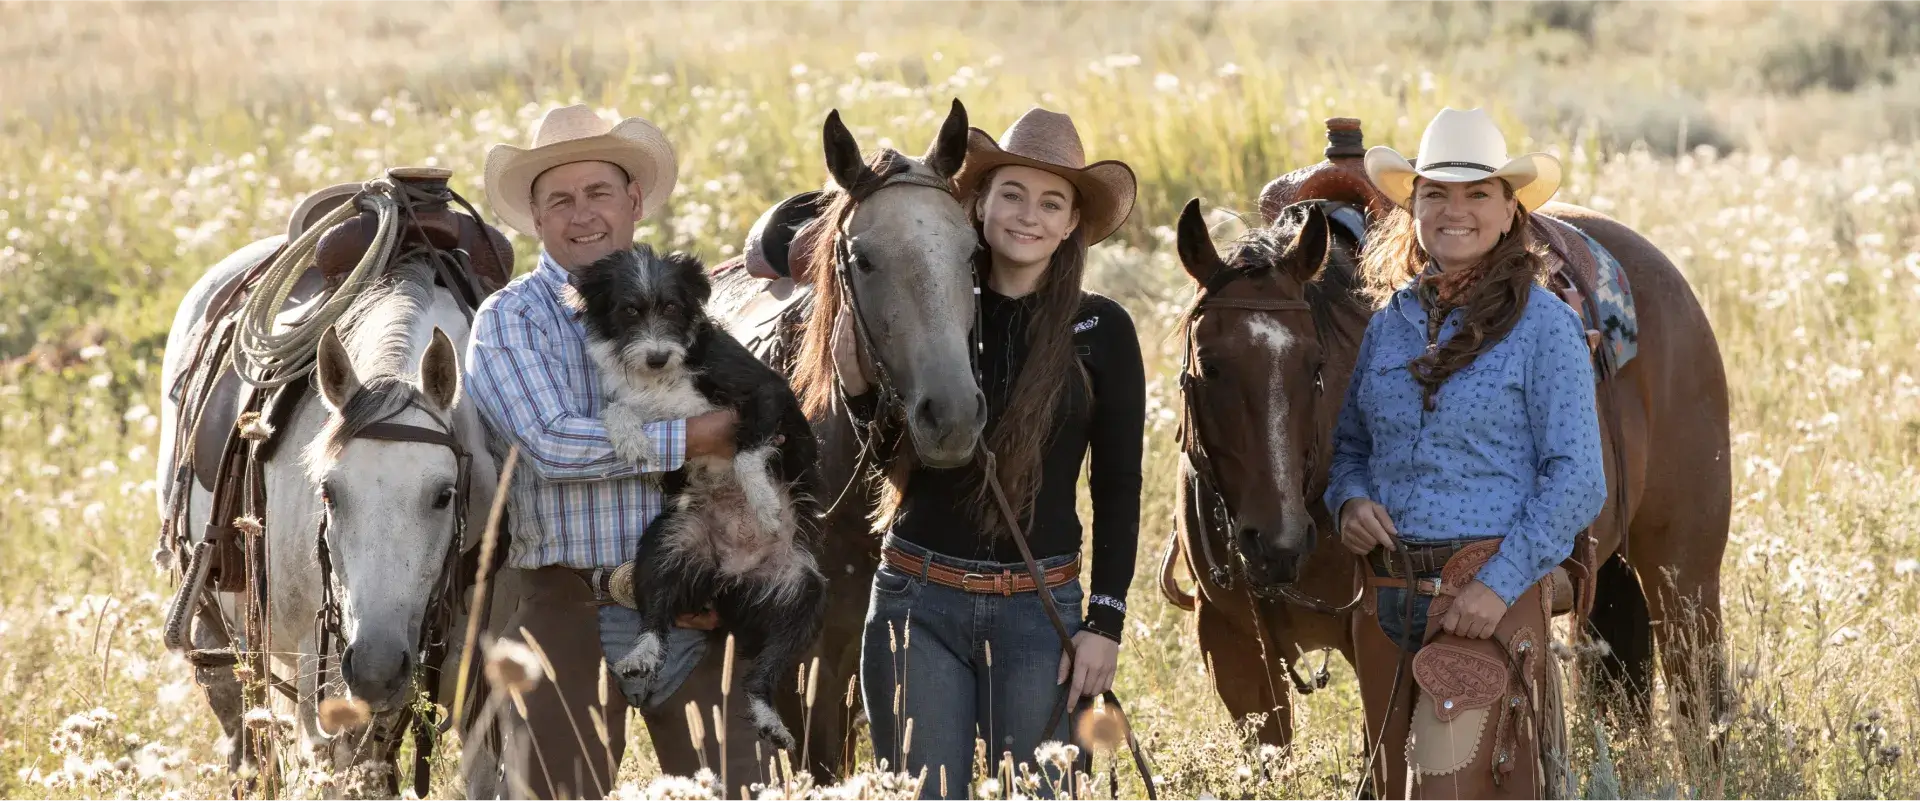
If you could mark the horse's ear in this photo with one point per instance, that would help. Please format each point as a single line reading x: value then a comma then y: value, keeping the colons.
x: 949, y: 149
x: 334, y: 370
x: 1310, y: 242
x: 1195, y: 244
x: 440, y: 371
x: 843, y: 154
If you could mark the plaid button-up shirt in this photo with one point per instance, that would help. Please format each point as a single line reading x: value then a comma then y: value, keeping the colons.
x: 573, y: 501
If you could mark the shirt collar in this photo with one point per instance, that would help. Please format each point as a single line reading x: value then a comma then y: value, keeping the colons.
x: 550, y: 270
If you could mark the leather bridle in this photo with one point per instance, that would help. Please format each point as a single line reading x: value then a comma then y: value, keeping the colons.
x: 440, y: 607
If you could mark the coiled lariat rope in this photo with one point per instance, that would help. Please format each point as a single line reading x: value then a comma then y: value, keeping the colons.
x: 269, y: 358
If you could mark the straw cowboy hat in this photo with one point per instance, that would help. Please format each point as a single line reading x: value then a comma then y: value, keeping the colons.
x: 1047, y: 140
x: 1462, y: 147
x: 575, y: 133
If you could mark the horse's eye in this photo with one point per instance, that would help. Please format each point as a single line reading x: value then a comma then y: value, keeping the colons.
x: 1208, y: 369
x: 326, y: 494
x: 444, y: 499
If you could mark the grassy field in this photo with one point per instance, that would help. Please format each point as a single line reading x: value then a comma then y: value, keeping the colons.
x: 1772, y: 151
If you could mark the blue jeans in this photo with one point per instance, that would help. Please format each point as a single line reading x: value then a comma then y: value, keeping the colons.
x: 620, y: 631
x: 961, y: 665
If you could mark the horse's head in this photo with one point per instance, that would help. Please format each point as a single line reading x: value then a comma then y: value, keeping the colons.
x: 1253, y: 388
x: 909, y: 275
x: 391, y: 507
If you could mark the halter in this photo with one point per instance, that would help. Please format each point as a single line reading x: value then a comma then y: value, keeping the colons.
x: 1215, y: 514
x: 439, y: 615
x: 869, y: 434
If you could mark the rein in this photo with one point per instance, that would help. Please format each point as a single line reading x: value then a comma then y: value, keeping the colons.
x: 439, y: 616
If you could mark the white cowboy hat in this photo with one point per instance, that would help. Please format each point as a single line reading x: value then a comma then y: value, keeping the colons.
x: 575, y: 133
x: 1047, y: 140
x: 1462, y: 147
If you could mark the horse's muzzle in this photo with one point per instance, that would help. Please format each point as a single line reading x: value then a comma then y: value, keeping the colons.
x: 946, y: 430
x: 1266, y: 565
x: 378, y: 675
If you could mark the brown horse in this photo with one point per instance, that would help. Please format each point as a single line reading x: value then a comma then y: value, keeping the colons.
x: 897, y: 254
x: 1271, y: 344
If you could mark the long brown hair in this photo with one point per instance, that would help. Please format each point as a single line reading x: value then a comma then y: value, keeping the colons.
x: 1020, y: 435
x: 1493, y: 292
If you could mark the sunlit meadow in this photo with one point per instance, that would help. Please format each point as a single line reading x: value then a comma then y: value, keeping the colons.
x: 140, y: 144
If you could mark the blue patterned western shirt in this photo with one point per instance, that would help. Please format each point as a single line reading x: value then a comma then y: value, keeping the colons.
x: 573, y: 502
x: 1511, y: 449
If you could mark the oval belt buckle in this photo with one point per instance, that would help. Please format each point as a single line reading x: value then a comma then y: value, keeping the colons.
x: 967, y: 581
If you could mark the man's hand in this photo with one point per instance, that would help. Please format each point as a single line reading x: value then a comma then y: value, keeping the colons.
x: 706, y: 620
x: 1475, y: 612
x: 1364, y: 525
x: 711, y: 434
x: 1096, y: 658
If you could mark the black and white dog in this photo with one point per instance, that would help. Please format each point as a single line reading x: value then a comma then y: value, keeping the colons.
x: 736, y: 535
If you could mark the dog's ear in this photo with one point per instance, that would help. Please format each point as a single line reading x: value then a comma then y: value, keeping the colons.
x: 692, y: 272
x: 597, y: 280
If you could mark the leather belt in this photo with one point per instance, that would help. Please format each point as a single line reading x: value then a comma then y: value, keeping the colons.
x: 1420, y: 586
x: 1425, y: 558
x: 1005, y: 582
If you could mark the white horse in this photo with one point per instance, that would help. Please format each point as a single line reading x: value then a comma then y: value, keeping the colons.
x: 388, y: 506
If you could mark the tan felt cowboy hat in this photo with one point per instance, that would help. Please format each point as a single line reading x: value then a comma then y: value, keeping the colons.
x: 575, y: 133
x: 1047, y: 140
x: 1463, y: 147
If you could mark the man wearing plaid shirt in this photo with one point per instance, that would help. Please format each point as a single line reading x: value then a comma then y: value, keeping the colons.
x: 575, y: 509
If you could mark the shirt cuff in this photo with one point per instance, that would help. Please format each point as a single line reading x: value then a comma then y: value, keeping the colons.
x: 1338, y: 495
x: 1106, y: 616
x: 670, y: 442
x: 1504, y: 578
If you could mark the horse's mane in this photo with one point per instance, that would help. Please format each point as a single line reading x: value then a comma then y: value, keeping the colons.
x: 1335, y: 288
x: 380, y: 331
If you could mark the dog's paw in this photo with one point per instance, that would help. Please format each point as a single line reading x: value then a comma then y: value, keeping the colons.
x: 767, y: 724
x: 638, y: 670
x: 627, y: 430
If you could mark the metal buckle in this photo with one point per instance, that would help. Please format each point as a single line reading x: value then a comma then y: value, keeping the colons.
x: 1001, y: 583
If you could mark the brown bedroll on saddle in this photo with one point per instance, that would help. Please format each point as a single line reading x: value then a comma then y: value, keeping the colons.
x: 226, y: 424
x: 1573, y: 273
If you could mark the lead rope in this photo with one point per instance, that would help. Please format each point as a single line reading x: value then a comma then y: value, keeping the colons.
x: 991, y: 466
x: 267, y: 358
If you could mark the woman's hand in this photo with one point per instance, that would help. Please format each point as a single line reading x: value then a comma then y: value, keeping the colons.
x: 846, y: 355
x: 1095, y: 659
x: 1475, y: 612
x: 1364, y: 525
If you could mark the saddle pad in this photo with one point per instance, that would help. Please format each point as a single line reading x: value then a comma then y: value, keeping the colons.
x: 1618, y: 326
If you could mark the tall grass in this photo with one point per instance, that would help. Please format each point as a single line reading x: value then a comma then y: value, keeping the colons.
x: 142, y: 143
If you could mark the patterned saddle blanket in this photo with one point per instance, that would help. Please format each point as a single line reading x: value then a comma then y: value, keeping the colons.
x: 1585, y: 266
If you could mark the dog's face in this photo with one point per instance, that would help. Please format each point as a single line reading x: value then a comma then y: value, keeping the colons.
x: 648, y: 308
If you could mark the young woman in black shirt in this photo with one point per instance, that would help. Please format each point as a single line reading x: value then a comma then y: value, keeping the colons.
x: 956, y: 638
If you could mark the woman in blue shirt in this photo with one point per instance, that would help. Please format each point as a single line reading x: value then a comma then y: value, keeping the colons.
x: 1466, y: 461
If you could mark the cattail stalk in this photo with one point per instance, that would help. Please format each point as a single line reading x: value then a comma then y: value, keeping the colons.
x: 697, y: 732
x: 478, y: 609
x: 720, y: 723
x: 806, y: 720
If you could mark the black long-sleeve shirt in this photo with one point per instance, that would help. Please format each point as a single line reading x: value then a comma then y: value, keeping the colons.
x: 936, y: 512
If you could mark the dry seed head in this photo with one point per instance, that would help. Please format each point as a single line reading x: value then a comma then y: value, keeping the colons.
x: 893, y: 641
x: 696, y: 726
x: 813, y: 680
x: 906, y: 634
x: 719, y: 728
x: 512, y: 666
x: 906, y: 739
x: 852, y: 682
x: 339, y: 715
x: 726, y: 670
x: 989, y: 645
